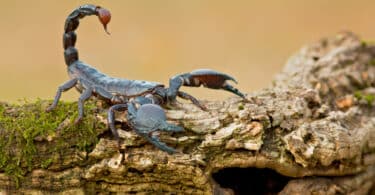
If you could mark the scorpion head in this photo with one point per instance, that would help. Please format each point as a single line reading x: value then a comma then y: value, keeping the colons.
x: 104, y: 17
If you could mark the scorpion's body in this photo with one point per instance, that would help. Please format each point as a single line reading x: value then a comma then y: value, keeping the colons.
x: 141, y: 99
x: 122, y: 89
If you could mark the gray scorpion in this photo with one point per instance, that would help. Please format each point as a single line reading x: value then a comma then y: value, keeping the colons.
x: 141, y: 99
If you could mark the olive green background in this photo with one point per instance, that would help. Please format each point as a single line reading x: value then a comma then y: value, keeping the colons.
x: 156, y: 39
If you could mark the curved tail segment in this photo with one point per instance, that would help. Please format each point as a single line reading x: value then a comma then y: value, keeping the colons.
x: 71, y: 24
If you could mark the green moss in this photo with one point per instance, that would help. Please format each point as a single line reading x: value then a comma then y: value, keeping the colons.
x: 366, y: 43
x: 370, y: 98
x: 21, y: 125
x: 372, y: 62
x: 45, y: 164
x: 363, y: 43
x: 241, y: 107
x: 358, y: 95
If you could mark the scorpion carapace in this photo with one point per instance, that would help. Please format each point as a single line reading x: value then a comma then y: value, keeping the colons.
x: 141, y: 99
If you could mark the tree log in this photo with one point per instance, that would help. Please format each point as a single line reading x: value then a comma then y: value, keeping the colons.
x: 311, y: 132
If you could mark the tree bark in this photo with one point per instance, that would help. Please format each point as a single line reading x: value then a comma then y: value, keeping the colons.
x: 312, y: 131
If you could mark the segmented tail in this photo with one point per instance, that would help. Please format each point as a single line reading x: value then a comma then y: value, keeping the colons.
x: 72, y: 23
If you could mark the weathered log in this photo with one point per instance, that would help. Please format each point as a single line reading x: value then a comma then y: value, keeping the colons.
x: 312, y: 131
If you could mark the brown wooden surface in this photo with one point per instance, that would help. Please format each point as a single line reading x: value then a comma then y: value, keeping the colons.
x: 315, y: 125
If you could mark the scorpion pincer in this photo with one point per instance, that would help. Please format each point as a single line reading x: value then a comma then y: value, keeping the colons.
x: 141, y: 99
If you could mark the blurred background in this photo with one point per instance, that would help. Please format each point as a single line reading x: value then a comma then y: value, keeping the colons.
x: 154, y: 40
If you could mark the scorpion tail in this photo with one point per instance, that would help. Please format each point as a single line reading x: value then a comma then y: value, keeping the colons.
x: 71, y: 24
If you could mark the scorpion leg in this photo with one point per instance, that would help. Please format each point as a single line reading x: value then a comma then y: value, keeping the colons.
x: 187, y: 96
x: 111, y: 119
x: 64, y: 87
x: 86, y: 94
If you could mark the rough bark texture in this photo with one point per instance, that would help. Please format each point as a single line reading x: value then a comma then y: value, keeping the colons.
x: 315, y: 127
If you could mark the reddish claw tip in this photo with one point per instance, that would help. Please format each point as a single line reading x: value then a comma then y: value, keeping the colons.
x: 104, y: 17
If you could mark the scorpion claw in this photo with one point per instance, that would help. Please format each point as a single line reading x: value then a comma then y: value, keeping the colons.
x: 208, y: 78
x: 148, y: 119
x: 212, y: 79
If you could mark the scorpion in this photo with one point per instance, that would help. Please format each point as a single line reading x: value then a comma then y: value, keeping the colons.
x: 141, y: 99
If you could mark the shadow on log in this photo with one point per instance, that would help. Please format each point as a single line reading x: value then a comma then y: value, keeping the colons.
x: 312, y: 131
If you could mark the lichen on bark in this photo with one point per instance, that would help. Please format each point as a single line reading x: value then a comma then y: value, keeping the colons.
x: 315, y: 127
x: 32, y: 138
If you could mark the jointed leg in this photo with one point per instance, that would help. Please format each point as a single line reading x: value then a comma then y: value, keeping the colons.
x: 191, y: 98
x: 64, y: 87
x: 86, y: 94
x: 111, y: 118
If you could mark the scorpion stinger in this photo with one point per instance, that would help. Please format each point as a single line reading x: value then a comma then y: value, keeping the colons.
x: 104, y: 17
x: 141, y: 99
